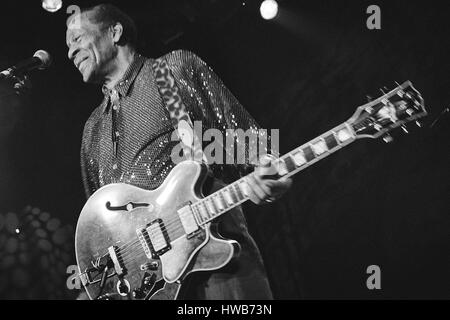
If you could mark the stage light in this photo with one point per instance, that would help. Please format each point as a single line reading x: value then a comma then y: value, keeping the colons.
x: 52, y: 5
x: 269, y: 9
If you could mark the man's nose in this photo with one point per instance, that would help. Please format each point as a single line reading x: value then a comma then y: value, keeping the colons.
x: 72, y: 53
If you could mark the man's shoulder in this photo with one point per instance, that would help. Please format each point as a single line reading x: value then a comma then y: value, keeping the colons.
x: 182, y: 59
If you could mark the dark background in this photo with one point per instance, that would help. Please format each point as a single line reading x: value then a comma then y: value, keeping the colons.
x: 304, y: 72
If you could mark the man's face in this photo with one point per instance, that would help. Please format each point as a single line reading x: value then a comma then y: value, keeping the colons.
x: 91, y: 47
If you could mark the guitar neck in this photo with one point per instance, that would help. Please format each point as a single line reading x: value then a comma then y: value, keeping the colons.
x: 221, y: 201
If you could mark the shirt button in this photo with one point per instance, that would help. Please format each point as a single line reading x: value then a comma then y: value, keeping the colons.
x: 115, y: 107
x: 114, y: 166
x: 117, y: 133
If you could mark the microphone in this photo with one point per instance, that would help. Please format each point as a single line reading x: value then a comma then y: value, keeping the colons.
x: 41, y: 60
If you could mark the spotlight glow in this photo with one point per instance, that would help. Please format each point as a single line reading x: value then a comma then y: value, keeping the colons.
x: 269, y: 9
x: 51, y: 5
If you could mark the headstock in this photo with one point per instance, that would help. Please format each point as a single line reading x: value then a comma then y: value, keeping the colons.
x: 394, y: 109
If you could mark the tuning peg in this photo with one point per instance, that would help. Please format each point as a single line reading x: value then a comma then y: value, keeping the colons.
x: 383, y: 90
x: 388, y: 138
x: 398, y: 84
x: 405, y: 130
x: 369, y: 98
x: 418, y: 123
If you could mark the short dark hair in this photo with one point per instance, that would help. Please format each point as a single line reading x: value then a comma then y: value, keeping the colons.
x: 108, y: 15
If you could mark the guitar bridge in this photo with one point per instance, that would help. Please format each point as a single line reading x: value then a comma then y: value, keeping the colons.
x: 117, y: 261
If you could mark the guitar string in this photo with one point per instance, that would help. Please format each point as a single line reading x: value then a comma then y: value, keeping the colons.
x: 167, y: 225
x: 133, y: 246
x: 165, y: 228
x: 136, y: 243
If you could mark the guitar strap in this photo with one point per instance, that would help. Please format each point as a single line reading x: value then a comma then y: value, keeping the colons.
x: 184, y: 127
x: 179, y: 116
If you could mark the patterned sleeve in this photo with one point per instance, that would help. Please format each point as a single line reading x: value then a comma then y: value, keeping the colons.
x: 210, y: 101
x: 88, y: 178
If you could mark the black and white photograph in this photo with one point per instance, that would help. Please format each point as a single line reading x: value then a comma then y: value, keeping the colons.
x: 246, y: 151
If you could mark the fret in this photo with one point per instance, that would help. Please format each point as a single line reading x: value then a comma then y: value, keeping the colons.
x: 319, y: 147
x: 308, y: 153
x: 210, y: 205
x: 205, y: 208
x: 217, y: 199
x: 237, y: 189
x: 243, y: 187
x: 227, y: 196
x: 233, y: 194
x: 331, y: 141
x: 203, y: 212
x: 196, y: 213
x: 298, y: 159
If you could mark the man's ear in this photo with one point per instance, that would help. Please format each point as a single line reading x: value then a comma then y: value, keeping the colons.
x: 117, y: 31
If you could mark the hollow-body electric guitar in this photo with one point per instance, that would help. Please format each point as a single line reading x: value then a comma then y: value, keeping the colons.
x: 133, y: 243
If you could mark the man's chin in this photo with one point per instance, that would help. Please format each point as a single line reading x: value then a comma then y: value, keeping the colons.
x: 87, y: 76
x: 87, y: 73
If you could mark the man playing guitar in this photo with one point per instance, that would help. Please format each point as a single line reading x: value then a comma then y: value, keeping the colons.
x: 127, y: 139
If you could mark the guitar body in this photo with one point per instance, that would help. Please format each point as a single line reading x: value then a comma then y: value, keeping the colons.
x: 108, y: 220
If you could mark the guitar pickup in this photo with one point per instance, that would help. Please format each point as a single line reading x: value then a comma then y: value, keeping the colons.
x: 154, y: 239
x: 188, y: 220
x: 145, y: 243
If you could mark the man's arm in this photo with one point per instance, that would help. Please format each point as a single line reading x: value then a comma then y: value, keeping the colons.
x: 89, y: 179
x: 227, y: 113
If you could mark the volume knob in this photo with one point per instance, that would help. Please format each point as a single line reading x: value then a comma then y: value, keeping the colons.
x: 153, y: 265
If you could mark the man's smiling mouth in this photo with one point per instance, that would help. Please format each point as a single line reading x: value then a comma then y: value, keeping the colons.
x: 79, y: 64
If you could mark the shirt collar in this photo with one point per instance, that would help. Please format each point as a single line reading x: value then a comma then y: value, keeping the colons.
x: 123, y: 86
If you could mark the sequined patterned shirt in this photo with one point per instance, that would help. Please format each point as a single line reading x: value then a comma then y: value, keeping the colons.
x: 127, y: 138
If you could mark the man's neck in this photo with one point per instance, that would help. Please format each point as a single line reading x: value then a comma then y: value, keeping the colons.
x: 123, y: 60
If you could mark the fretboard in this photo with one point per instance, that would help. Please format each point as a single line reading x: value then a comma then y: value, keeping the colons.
x: 221, y: 201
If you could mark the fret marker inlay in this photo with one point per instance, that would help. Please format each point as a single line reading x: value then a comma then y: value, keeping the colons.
x: 299, y: 158
x: 343, y: 135
x: 319, y: 147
